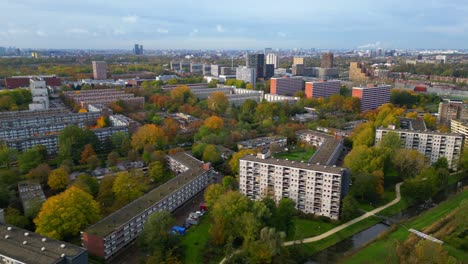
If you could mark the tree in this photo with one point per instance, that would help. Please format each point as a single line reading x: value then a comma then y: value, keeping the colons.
x: 93, y: 162
x: 212, y: 193
x: 105, y: 195
x: 155, y: 235
x: 409, y: 162
x: 363, y: 134
x: 428, y: 252
x: 7, y: 156
x: 349, y: 208
x: 127, y: 187
x: 229, y: 182
x: 430, y: 120
x: 149, y: 134
x: 87, y: 183
x: 158, y: 171
x: 391, y: 140
x: 441, y: 163
x: 365, y: 187
x: 211, y: 154
x: 31, y: 158
x: 112, y: 158
x: 218, y: 102
x: 87, y: 152
x: 284, y: 215
x: 58, y: 179
x: 234, y: 161
x: 182, y: 95
x: 214, y: 123
x: 40, y: 173
x: 14, y: 217
x: 66, y: 214
x: 171, y: 127
x: 72, y: 140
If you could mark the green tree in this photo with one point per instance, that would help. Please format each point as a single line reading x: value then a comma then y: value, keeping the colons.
x: 349, y: 208
x: 58, y: 179
x: 14, y: 217
x: 234, y: 161
x: 105, y: 195
x: 211, y: 154
x: 7, y: 156
x: 72, y: 140
x: 365, y: 187
x: 212, y: 193
x: 127, y: 187
x: 229, y: 183
x: 158, y: 171
x: 93, y: 162
x: 149, y: 134
x: 283, y: 217
x: 87, y: 183
x: 409, y: 163
x: 441, y: 163
x: 66, y: 214
x: 155, y: 236
x: 112, y: 158
x: 31, y: 158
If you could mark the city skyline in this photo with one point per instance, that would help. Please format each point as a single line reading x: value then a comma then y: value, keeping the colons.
x: 236, y: 25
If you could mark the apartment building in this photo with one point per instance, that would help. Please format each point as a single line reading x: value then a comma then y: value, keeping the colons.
x: 315, y: 189
x: 298, y: 60
x: 272, y: 58
x: 262, y: 142
x: 118, y: 230
x: 433, y: 145
x: 256, y: 61
x: 459, y: 126
x: 103, y: 96
x: 329, y: 148
x: 23, y: 81
x: 286, y: 85
x: 196, y: 68
x: 246, y: 74
x: 99, y: 70
x: 20, y: 246
x: 451, y: 109
x: 327, y: 60
x: 358, y: 72
x: 206, y: 69
x: 373, y: 96
x: 322, y: 88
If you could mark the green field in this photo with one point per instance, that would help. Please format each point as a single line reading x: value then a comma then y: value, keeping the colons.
x: 379, y: 250
x: 298, y: 154
x: 309, y: 228
x: 194, y: 241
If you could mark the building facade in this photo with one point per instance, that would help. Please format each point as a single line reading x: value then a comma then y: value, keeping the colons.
x: 256, y: 61
x: 272, y: 58
x: 247, y: 75
x: 298, y: 60
x: 372, y: 97
x: 322, y: 89
x: 451, y: 109
x: 262, y: 142
x: 327, y: 60
x: 24, y: 81
x: 433, y: 145
x: 109, y: 236
x: 99, y: 70
x: 286, y: 85
x: 315, y: 189
x: 329, y: 148
x: 358, y: 72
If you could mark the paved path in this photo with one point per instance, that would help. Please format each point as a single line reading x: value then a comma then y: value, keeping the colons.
x: 345, y: 225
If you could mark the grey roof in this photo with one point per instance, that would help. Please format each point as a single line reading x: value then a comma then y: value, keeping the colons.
x: 326, y: 150
x: 32, y: 252
x: 421, y: 132
x: 115, y: 220
x: 295, y: 164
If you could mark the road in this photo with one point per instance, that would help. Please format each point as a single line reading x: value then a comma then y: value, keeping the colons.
x: 347, y: 224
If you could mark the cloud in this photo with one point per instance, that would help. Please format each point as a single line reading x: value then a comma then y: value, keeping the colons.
x: 119, y: 32
x: 130, y: 19
x: 220, y: 28
x: 370, y: 45
x: 17, y: 31
x: 194, y: 32
x: 281, y: 34
x: 162, y: 30
x: 77, y: 31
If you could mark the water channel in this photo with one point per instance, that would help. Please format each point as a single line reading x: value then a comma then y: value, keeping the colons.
x: 358, y: 240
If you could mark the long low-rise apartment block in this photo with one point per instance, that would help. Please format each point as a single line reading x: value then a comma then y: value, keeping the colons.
x: 262, y: 142
x: 103, y: 96
x: 118, y: 230
x: 329, y: 148
x: 315, y: 189
x: 433, y: 145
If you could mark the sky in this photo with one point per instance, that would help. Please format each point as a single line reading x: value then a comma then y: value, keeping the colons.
x: 234, y: 24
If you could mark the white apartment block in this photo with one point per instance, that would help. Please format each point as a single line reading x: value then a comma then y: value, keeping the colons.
x: 272, y: 58
x: 315, y: 189
x: 433, y: 145
x: 459, y: 126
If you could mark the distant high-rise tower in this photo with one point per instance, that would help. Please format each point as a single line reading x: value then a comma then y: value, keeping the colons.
x: 272, y: 58
x: 256, y: 61
x: 99, y: 70
x: 327, y: 60
x: 268, y: 50
x: 138, y: 49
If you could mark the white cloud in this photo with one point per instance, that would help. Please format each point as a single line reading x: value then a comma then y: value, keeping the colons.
x: 194, y: 32
x: 281, y: 34
x: 220, y: 28
x: 77, y: 31
x: 370, y: 45
x: 130, y: 19
x: 162, y: 30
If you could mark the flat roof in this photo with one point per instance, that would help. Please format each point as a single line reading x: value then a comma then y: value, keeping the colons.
x: 120, y: 217
x: 32, y: 252
x: 421, y: 132
x: 295, y: 164
x: 325, y: 151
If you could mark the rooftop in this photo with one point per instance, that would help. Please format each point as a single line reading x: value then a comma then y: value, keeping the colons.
x: 420, y: 132
x: 295, y: 164
x: 133, y: 209
x: 326, y: 150
x: 12, y: 245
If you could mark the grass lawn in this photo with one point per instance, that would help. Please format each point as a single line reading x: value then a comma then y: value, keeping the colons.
x: 298, y: 154
x: 194, y: 241
x: 381, y: 249
x: 309, y: 228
